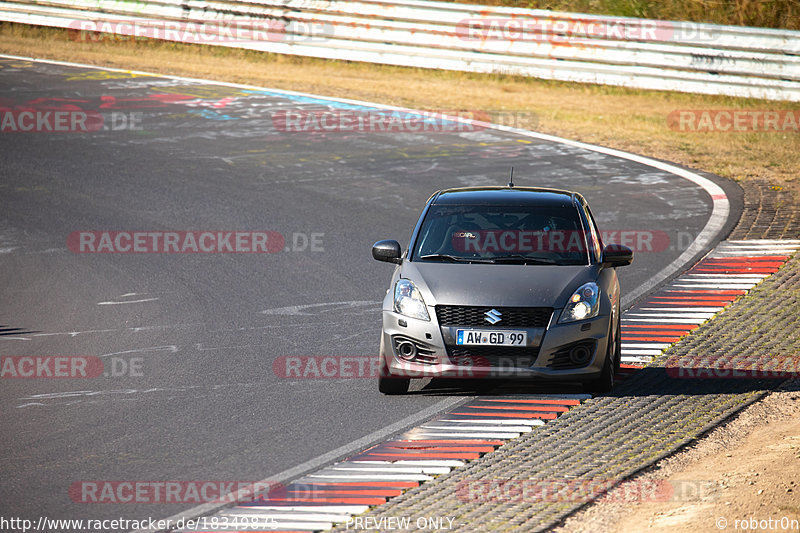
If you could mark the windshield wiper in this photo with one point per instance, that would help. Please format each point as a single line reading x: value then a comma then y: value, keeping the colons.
x: 456, y: 259
x: 518, y: 258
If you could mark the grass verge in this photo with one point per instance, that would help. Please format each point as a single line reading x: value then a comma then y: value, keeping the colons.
x: 628, y: 119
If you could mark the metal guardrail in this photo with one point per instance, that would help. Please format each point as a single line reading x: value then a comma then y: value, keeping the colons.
x: 640, y: 53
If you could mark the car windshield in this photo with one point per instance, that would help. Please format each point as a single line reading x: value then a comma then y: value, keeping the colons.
x: 502, y: 234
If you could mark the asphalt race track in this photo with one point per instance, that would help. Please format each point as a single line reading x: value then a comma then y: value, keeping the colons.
x: 188, y: 340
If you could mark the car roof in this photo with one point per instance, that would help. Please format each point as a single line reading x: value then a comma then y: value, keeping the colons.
x: 520, y: 196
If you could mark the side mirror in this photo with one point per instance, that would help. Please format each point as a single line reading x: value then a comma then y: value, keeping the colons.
x: 388, y: 251
x: 616, y: 255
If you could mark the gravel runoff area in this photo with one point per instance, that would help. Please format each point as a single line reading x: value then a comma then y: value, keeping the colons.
x: 748, y: 467
x: 769, y: 213
x: 538, y: 481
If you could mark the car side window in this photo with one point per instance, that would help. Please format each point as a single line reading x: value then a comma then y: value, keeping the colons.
x: 596, y: 244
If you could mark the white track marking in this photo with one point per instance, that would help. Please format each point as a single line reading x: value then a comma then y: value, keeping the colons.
x: 303, y: 310
x: 476, y: 435
x: 432, y: 470
x: 342, y: 509
x: 650, y: 345
x: 525, y: 421
x: 670, y: 315
x: 765, y: 241
x: 450, y: 463
x: 519, y: 429
x: 171, y: 348
x: 713, y: 310
x: 369, y: 477
x: 716, y: 286
x: 726, y: 276
x: 670, y: 321
x: 641, y: 352
x: 745, y: 253
x: 636, y: 359
x: 720, y: 280
x: 266, y: 515
x: 129, y: 301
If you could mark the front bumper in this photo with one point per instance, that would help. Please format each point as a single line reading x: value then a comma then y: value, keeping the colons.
x: 545, y: 355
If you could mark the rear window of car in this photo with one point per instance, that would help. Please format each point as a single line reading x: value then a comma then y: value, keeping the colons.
x: 502, y: 234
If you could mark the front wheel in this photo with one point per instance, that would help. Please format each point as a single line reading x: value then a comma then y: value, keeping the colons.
x: 611, y: 366
x: 388, y: 384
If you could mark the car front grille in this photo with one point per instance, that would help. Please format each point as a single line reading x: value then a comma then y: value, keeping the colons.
x: 511, y: 317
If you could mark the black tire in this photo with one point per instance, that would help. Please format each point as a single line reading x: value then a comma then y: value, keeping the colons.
x: 392, y: 386
x: 611, y: 366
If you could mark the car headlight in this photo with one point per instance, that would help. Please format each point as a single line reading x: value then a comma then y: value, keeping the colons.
x: 584, y: 303
x: 408, y: 300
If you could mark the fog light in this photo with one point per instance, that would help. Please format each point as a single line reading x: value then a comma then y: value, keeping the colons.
x: 580, y: 354
x: 406, y: 350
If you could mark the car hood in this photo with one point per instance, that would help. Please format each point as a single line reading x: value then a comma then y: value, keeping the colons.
x: 497, y: 285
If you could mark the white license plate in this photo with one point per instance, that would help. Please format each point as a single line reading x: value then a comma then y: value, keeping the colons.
x: 466, y: 337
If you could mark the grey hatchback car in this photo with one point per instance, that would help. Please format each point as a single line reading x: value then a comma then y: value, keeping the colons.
x: 502, y: 282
